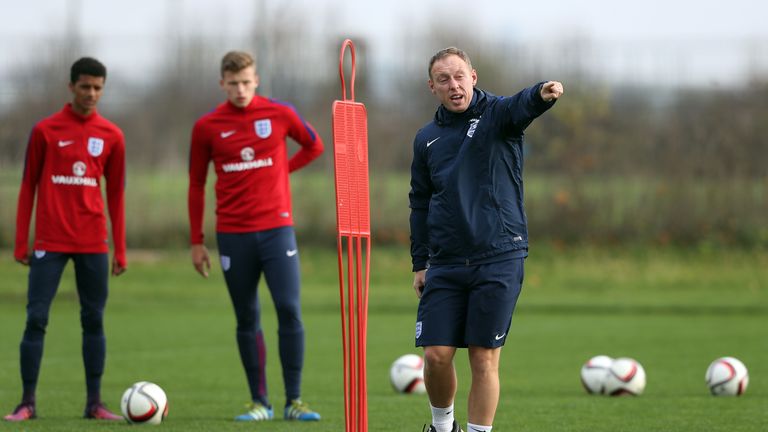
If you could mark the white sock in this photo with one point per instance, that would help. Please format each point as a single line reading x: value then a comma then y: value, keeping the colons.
x: 478, y: 428
x: 442, y: 418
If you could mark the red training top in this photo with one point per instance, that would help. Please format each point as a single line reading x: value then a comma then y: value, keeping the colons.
x: 250, y: 157
x: 66, y: 157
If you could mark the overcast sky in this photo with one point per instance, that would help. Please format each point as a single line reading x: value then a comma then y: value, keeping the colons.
x: 720, y: 39
x: 647, y: 19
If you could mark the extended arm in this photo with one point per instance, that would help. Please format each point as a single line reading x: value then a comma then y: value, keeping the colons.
x: 521, y: 109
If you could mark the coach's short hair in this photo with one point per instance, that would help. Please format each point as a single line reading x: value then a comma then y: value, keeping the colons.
x: 87, y: 66
x: 443, y: 53
x: 235, y: 61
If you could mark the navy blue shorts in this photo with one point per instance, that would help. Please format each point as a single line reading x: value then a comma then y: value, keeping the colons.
x: 469, y: 305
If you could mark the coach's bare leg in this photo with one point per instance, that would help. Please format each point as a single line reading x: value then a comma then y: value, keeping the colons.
x: 440, y: 375
x: 484, y: 393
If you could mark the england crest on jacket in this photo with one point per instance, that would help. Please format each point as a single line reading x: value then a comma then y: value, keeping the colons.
x: 263, y: 128
x: 95, y: 146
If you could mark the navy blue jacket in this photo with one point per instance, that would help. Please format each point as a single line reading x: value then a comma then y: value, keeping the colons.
x: 466, y: 194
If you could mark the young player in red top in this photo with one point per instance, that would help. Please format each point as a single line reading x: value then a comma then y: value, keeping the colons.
x: 245, y: 137
x: 67, y: 155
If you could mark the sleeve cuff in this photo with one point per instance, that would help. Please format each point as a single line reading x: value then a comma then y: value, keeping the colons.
x: 420, y: 265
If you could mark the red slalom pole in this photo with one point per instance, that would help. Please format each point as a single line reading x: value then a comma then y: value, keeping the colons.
x: 353, y: 222
x: 345, y: 354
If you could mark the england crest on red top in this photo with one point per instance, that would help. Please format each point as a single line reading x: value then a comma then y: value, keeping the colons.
x: 263, y: 128
x: 95, y: 146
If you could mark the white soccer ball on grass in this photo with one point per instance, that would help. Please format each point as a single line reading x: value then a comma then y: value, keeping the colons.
x: 727, y: 376
x: 626, y: 376
x: 407, y: 374
x: 144, y: 403
x: 594, y: 372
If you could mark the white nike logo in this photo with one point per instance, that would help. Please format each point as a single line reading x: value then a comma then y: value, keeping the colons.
x: 291, y: 252
x: 498, y: 337
x: 429, y: 143
x: 66, y: 143
x: 228, y: 134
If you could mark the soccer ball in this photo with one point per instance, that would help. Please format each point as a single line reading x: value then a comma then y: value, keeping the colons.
x: 594, y: 373
x: 727, y: 376
x: 144, y: 403
x: 407, y: 374
x: 625, y: 377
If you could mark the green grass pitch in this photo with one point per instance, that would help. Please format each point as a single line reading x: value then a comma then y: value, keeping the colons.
x: 674, y: 311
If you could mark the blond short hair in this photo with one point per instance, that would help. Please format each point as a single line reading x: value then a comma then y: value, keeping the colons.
x: 443, y: 53
x: 235, y: 61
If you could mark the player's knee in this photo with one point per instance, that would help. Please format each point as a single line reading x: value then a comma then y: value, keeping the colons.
x: 248, y: 320
x: 484, y: 363
x: 288, y: 315
x: 248, y: 317
x: 92, y: 325
x: 247, y: 326
x: 36, y: 323
x: 485, y: 368
x: 435, y: 357
x: 291, y: 330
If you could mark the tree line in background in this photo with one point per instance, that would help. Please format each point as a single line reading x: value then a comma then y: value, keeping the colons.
x: 611, y: 163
